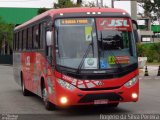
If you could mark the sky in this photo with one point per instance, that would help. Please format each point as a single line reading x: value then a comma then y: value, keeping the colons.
x: 27, y: 3
x: 49, y: 3
x: 37, y: 3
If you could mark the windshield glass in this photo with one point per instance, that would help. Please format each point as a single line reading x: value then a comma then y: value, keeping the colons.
x: 88, y: 43
x: 116, y: 42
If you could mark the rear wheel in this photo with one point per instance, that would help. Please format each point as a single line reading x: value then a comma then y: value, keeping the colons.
x: 48, y: 105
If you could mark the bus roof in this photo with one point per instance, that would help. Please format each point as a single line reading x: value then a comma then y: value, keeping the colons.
x: 53, y: 12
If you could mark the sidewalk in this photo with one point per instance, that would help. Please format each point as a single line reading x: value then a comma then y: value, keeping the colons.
x: 152, y: 70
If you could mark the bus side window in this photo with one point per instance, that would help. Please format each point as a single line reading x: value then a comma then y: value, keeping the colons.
x: 30, y: 42
x: 42, y: 35
x: 36, y: 38
x: 20, y: 40
x: 17, y: 41
x: 27, y: 39
x: 24, y: 39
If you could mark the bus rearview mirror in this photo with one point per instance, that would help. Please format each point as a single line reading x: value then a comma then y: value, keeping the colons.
x: 49, y: 38
x: 136, y: 31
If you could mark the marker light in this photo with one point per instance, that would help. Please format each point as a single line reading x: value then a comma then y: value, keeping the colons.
x: 134, y: 95
x: 124, y: 13
x: 88, y: 13
x: 131, y: 82
x: 99, y: 13
x: 63, y: 100
x: 61, y: 14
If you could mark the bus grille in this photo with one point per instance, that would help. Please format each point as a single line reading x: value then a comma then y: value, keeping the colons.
x: 108, y: 96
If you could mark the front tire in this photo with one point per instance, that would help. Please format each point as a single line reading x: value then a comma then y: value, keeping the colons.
x: 48, y: 105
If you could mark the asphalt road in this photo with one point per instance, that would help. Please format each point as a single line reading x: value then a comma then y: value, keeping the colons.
x: 13, y: 102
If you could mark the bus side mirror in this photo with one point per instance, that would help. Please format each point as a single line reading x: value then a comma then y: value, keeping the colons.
x: 136, y: 31
x: 49, y: 38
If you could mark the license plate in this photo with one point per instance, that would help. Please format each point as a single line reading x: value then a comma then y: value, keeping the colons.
x: 96, y: 102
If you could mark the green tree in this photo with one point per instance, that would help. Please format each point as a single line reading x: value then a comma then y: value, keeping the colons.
x: 66, y: 4
x: 156, y: 48
x: 151, y: 8
x: 79, y: 2
x: 90, y: 4
x: 41, y: 10
x: 140, y: 50
x: 6, y: 33
x: 151, y: 51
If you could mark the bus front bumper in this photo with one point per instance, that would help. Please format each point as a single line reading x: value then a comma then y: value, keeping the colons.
x: 66, y: 97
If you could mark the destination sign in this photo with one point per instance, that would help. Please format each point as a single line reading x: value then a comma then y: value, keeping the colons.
x: 74, y: 21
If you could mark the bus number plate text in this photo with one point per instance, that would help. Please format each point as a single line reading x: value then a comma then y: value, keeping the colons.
x: 96, y: 102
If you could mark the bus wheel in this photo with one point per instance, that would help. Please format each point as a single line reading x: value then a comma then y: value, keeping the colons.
x: 24, y: 90
x: 113, y: 105
x: 48, y: 105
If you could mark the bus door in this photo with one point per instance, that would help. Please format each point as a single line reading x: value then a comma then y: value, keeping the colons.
x: 37, y: 64
x: 49, y: 59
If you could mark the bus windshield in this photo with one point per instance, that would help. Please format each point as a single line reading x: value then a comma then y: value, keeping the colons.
x: 95, y: 43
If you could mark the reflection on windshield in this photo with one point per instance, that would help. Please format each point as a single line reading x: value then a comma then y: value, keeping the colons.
x: 110, y: 40
x: 73, y: 41
x: 115, y: 41
x: 112, y: 43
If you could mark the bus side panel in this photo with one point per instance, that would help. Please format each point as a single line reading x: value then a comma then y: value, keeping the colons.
x: 43, y: 69
x: 17, y: 67
x: 27, y: 68
x: 34, y: 67
x: 38, y: 73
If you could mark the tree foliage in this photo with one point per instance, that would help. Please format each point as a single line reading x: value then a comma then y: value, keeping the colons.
x: 151, y: 8
x: 69, y: 3
x: 79, y: 2
x: 6, y: 33
x: 66, y: 4
x: 90, y: 4
x: 151, y: 51
x: 41, y: 10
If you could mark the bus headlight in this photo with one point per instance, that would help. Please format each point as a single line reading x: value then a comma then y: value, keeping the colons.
x: 63, y: 100
x: 66, y: 85
x: 134, y: 95
x: 131, y: 82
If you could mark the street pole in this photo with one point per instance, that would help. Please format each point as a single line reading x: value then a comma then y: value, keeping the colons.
x: 97, y: 4
x: 101, y: 3
x: 112, y: 3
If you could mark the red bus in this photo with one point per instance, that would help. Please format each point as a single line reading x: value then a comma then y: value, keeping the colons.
x: 78, y: 56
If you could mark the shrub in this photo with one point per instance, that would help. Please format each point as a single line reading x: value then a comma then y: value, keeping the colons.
x: 151, y: 51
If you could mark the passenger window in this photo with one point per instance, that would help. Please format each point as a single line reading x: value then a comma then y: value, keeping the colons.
x: 30, y: 42
x: 36, y: 37
x: 24, y: 39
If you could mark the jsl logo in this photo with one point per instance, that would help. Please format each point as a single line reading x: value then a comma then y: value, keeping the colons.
x: 115, y: 23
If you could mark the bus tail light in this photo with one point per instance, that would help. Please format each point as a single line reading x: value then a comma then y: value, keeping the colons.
x: 131, y: 82
x: 66, y: 85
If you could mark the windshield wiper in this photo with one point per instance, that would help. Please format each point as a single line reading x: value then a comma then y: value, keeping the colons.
x: 116, y: 61
x: 57, y: 44
x: 86, y: 54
